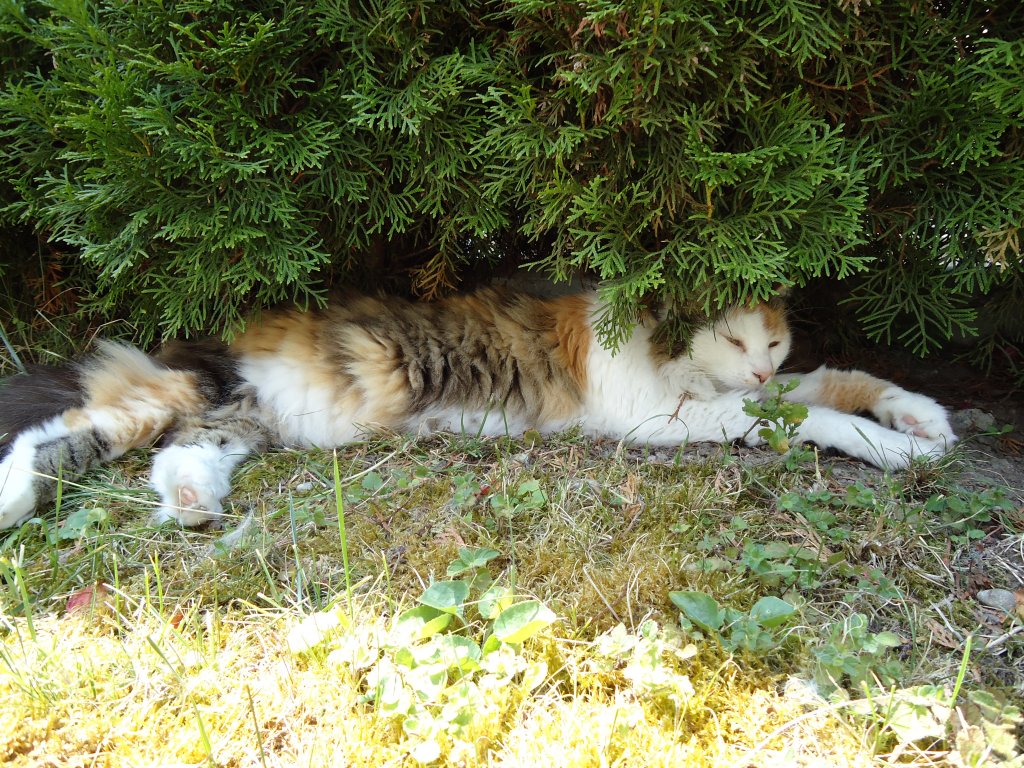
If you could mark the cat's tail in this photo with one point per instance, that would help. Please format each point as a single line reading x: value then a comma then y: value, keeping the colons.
x: 36, y: 396
x: 56, y: 423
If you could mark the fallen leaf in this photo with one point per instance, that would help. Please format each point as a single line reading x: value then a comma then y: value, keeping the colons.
x: 87, y: 599
x: 176, y: 618
x: 943, y: 636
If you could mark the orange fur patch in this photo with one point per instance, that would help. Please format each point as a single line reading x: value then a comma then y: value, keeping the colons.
x: 132, y: 399
x: 304, y: 341
x: 850, y: 391
x: 574, y: 336
x: 383, y: 384
x: 289, y: 334
x: 380, y: 360
x: 774, y: 314
x: 293, y: 336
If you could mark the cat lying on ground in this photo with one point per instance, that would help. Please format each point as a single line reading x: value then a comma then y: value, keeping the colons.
x: 490, y: 363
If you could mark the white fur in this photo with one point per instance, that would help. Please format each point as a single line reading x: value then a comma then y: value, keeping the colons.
x: 914, y: 414
x: 304, y: 414
x: 700, y: 397
x: 17, y: 472
x: 896, y: 408
x: 693, y: 398
x: 495, y: 422
x: 865, y: 439
x: 730, y: 367
x: 193, y: 479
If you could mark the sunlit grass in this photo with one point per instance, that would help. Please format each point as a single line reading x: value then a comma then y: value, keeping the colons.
x: 128, y: 644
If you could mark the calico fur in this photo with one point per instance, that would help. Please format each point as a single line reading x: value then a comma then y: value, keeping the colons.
x: 489, y: 363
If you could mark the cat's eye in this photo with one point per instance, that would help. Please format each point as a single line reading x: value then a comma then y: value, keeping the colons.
x: 735, y: 342
x: 773, y: 345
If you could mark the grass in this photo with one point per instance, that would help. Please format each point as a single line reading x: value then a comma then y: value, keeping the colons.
x: 297, y: 634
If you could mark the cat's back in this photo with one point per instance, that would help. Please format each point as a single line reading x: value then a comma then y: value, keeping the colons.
x: 370, y: 360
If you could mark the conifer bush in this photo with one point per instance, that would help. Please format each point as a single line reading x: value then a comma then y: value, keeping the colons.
x: 185, y: 161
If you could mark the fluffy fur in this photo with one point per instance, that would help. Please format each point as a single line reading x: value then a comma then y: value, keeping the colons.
x: 489, y: 363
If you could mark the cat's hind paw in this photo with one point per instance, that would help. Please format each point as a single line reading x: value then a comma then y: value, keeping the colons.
x: 916, y: 415
x: 191, y: 481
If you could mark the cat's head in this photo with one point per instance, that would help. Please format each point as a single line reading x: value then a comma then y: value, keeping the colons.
x: 744, y: 346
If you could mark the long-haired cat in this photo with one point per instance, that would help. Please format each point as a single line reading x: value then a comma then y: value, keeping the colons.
x: 491, y: 363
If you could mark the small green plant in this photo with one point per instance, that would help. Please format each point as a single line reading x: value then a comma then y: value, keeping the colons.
x: 469, y: 490
x: 964, y: 514
x: 991, y: 738
x: 876, y: 582
x: 528, y: 495
x: 778, y: 420
x: 443, y: 665
x: 753, y: 630
x: 853, y: 655
x: 773, y: 563
x: 84, y: 522
x: 778, y: 563
x: 820, y: 507
x: 920, y: 713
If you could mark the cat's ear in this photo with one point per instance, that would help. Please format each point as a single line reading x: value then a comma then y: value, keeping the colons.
x: 782, y: 290
x: 654, y: 311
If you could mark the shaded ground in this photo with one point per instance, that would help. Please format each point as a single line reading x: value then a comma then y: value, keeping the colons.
x: 987, y: 414
x: 980, y: 407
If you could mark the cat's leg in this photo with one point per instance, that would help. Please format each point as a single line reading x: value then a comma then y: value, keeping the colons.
x: 39, y: 459
x: 192, y: 474
x: 723, y: 419
x: 893, y: 406
x: 867, y: 440
x: 127, y: 400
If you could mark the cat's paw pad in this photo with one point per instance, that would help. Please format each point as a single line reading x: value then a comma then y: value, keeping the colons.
x: 17, y: 492
x: 914, y: 414
x: 191, y: 482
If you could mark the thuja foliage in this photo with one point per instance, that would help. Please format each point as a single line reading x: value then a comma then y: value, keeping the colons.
x: 183, y: 161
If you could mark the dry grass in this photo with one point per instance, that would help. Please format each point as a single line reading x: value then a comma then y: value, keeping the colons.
x: 187, y: 654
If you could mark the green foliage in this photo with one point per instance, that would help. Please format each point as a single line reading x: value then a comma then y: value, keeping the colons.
x: 183, y: 161
x: 964, y: 515
x: 84, y: 522
x: 854, y: 656
x: 778, y: 420
x: 991, y: 738
x: 648, y: 659
x: 527, y: 495
x: 753, y: 630
x: 444, y: 663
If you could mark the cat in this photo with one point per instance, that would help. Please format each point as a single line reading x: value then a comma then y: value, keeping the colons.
x: 490, y: 363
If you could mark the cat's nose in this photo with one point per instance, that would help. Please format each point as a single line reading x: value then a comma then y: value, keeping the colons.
x: 763, y: 376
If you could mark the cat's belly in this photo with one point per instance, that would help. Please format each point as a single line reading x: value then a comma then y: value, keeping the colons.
x: 495, y: 422
x: 304, y: 407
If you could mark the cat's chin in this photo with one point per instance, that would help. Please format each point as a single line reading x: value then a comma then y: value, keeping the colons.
x: 733, y: 386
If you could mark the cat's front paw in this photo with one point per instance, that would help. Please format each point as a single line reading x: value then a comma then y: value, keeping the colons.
x: 17, y: 491
x: 191, y: 483
x: 914, y: 414
x: 899, y: 450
